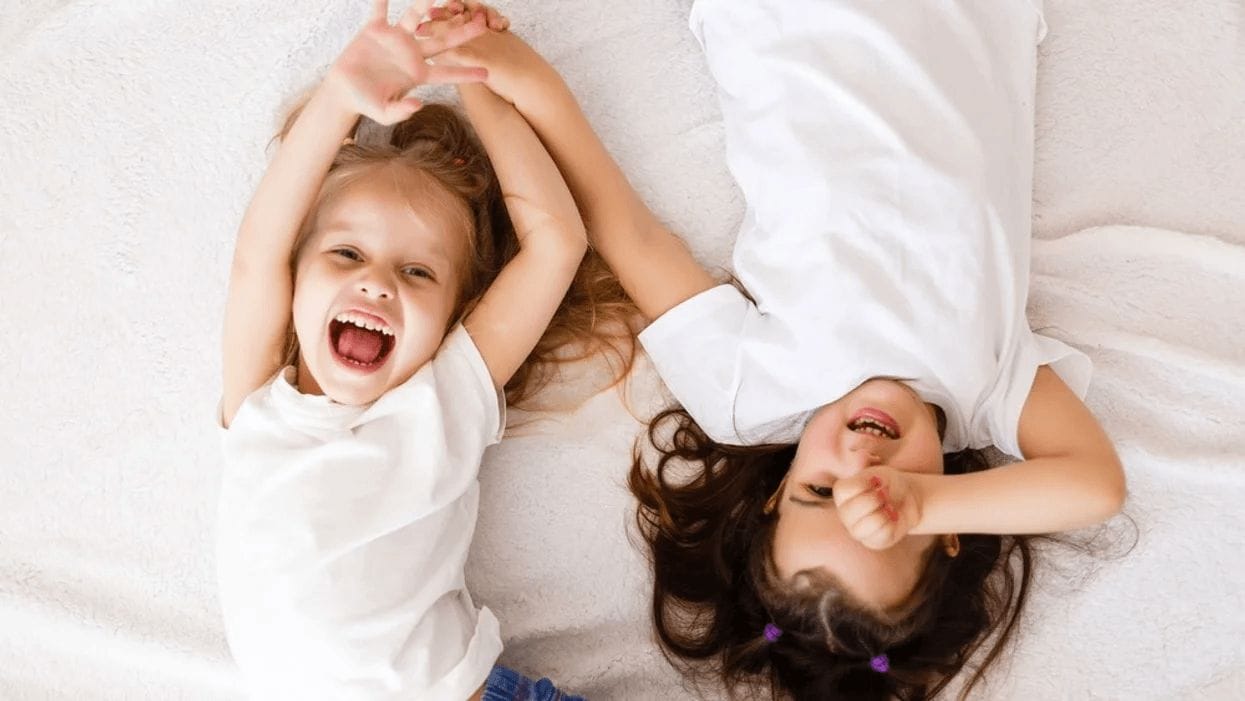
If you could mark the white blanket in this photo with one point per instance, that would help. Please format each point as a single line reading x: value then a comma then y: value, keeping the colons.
x: 132, y: 135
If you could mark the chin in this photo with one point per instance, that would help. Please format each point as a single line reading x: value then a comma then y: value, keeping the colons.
x: 354, y: 396
x: 359, y: 390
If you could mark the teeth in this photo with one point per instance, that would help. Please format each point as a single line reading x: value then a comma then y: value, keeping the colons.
x: 348, y: 318
x: 871, y: 427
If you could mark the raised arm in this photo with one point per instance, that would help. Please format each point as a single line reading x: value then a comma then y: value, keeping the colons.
x: 257, y: 306
x: 516, y: 309
x: 1071, y: 476
x: 654, y: 266
x: 371, y: 77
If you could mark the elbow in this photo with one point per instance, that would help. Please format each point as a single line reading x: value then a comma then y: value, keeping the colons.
x: 572, y: 246
x: 1112, y: 502
x: 577, y: 242
x: 572, y: 242
x: 559, y: 247
x: 1113, y: 491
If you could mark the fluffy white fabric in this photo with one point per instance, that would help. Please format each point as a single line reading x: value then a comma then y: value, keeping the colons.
x: 132, y: 135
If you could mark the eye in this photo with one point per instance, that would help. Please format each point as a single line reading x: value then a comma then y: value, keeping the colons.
x: 418, y: 272
x: 819, y: 491
x: 347, y: 253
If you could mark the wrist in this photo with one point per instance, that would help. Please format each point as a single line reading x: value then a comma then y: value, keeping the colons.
x: 332, y: 103
x: 931, y: 494
x: 530, y: 88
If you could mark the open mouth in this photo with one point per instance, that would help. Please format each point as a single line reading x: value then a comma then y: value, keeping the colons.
x: 360, y: 343
x: 875, y: 423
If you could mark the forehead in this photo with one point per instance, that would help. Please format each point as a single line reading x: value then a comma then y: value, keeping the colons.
x: 805, y: 541
x: 397, y: 205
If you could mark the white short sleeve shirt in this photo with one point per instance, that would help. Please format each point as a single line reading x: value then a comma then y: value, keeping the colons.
x: 343, y: 533
x: 884, y: 149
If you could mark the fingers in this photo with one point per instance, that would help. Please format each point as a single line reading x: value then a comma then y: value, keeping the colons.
x: 454, y: 37
x: 852, y: 511
x: 495, y: 20
x: 869, y: 515
x: 380, y: 11
x: 399, y: 110
x: 876, y: 532
x: 849, y: 488
x: 438, y: 24
x: 416, y: 12
x: 450, y: 9
x: 410, y: 19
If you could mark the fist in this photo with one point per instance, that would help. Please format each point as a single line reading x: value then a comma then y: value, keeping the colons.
x: 878, y: 506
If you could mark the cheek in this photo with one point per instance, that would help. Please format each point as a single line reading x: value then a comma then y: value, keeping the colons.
x: 312, y: 295
x: 927, y: 454
x: 301, y: 306
x: 425, y: 316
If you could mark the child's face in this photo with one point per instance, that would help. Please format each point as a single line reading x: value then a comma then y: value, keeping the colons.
x: 838, y: 443
x: 376, y: 258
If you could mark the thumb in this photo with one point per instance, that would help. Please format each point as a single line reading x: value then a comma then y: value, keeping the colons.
x: 848, y: 487
x: 401, y: 110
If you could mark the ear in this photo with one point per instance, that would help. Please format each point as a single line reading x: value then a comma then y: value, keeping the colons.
x: 772, y: 502
x: 951, y: 544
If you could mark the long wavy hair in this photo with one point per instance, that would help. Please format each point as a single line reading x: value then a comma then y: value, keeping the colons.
x: 595, y: 317
x: 702, y: 515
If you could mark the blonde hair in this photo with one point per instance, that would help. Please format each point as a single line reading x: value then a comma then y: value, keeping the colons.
x: 437, y: 146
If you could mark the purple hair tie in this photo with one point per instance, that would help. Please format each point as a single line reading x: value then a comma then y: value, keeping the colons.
x: 881, y: 664
x: 772, y: 632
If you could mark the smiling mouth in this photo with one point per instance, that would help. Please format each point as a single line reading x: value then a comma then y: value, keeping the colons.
x: 872, y: 427
x: 357, y: 346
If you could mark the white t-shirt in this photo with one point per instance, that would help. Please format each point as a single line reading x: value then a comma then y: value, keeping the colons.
x: 343, y: 533
x: 884, y: 149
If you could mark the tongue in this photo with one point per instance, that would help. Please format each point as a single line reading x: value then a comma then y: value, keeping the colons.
x: 360, y: 345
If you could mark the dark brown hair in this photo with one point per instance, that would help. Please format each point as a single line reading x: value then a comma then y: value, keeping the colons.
x: 438, y: 145
x: 701, y: 514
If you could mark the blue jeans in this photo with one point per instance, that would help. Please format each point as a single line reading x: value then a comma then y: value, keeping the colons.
x: 505, y: 684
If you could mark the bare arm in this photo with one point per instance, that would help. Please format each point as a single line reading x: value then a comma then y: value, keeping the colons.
x: 653, y: 265
x: 515, y: 311
x: 257, y: 307
x: 371, y: 77
x: 1071, y: 477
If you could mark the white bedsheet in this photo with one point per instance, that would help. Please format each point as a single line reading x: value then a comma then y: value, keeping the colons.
x: 131, y: 137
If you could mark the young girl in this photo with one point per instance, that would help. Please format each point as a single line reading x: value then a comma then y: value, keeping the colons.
x: 838, y: 536
x: 380, y: 299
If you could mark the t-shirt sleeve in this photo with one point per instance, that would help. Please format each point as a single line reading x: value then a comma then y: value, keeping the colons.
x: 1034, y: 351
x: 695, y: 348
x: 466, y: 389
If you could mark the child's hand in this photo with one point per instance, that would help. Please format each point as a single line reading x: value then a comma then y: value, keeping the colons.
x: 384, y: 62
x: 496, y: 20
x: 878, y: 505
x: 507, y: 58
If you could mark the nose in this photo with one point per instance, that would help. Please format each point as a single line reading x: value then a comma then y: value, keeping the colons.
x: 858, y: 457
x: 376, y: 284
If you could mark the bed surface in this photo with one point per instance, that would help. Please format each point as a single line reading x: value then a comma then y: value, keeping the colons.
x: 132, y: 136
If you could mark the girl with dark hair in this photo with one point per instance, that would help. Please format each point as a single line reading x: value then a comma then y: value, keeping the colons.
x: 385, y: 295
x: 817, y: 516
